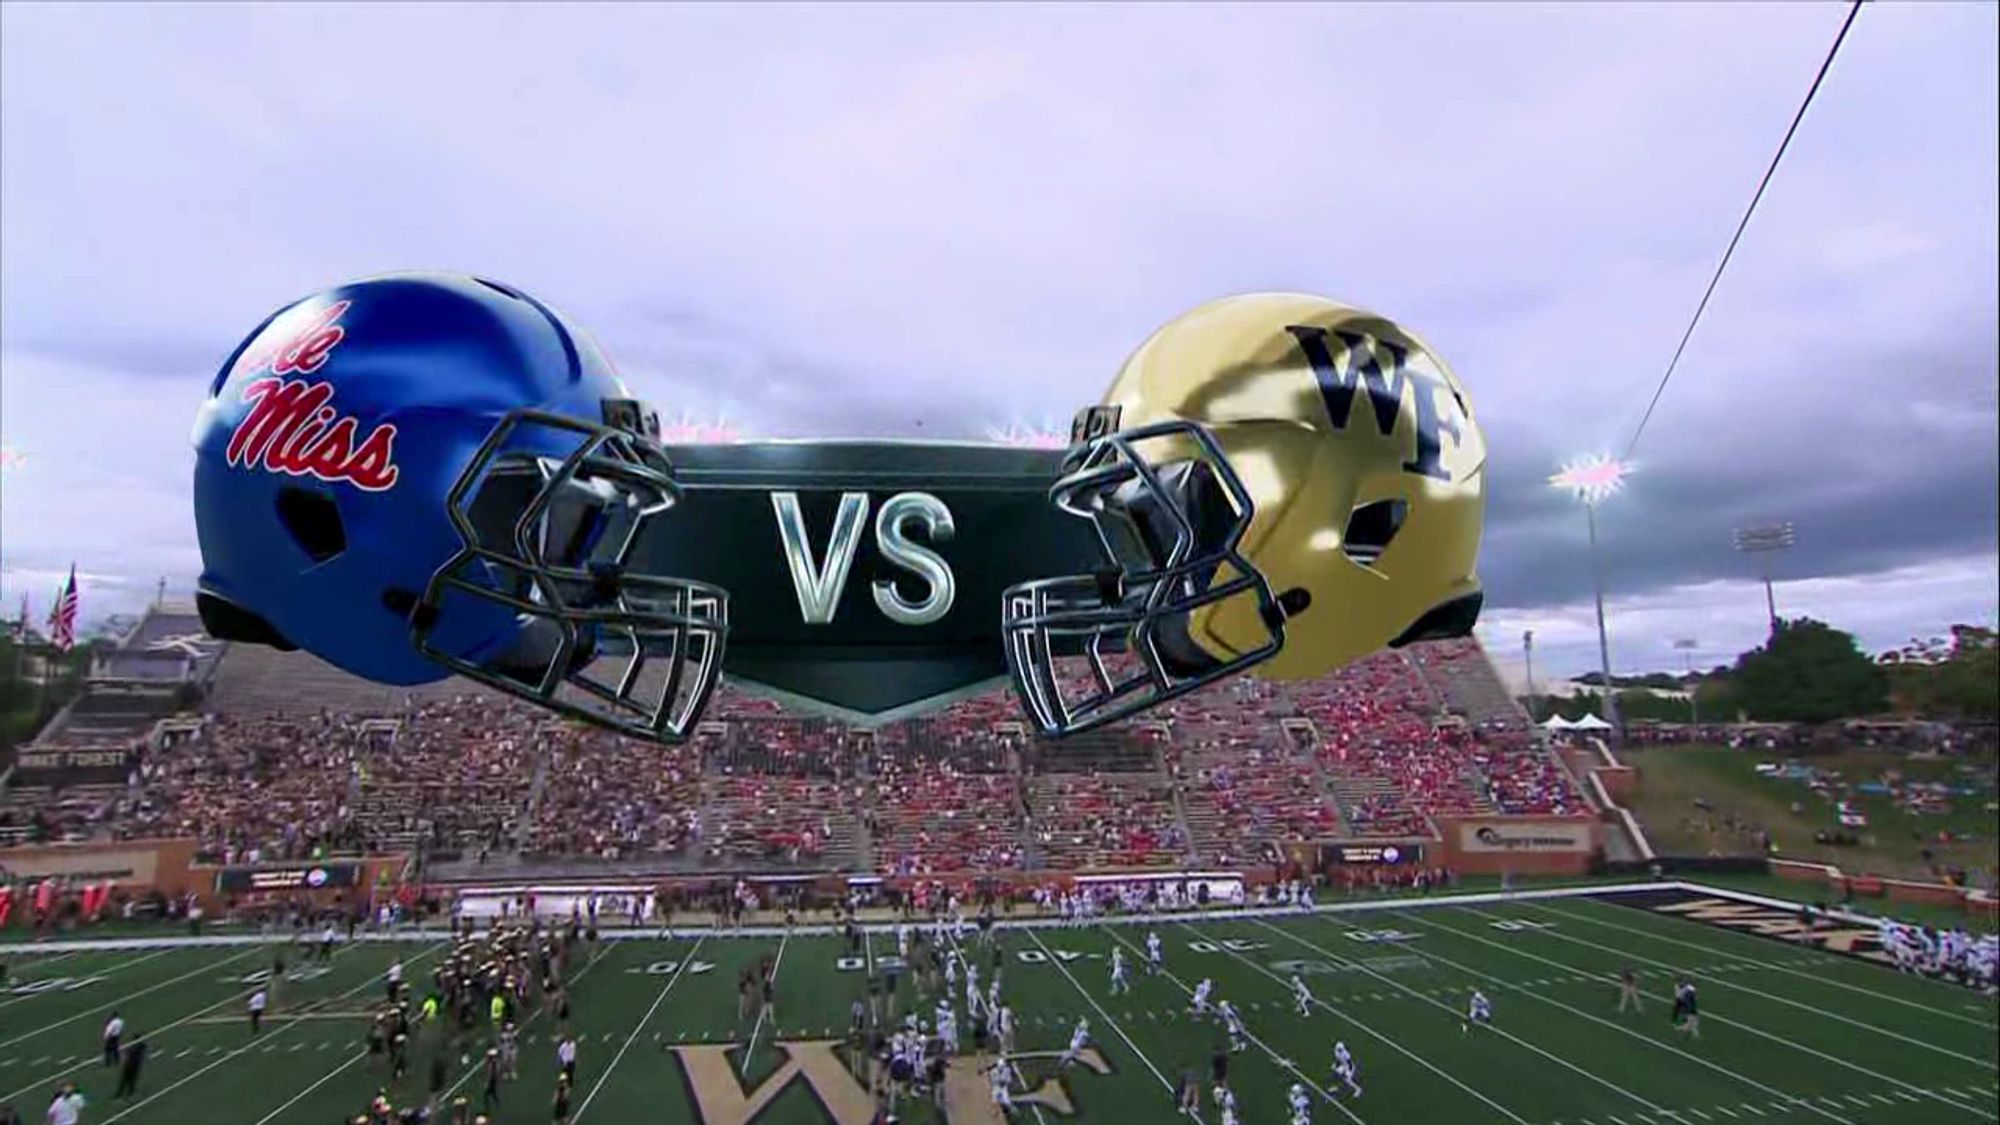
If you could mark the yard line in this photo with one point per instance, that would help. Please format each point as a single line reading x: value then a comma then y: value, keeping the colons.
x: 1275, y: 1056
x: 1411, y: 919
x: 1761, y: 1033
x: 1819, y: 955
x: 1386, y: 1040
x: 366, y: 984
x: 65, y: 956
x: 130, y: 996
x: 643, y: 1021
x: 359, y: 1055
x: 1982, y: 1063
x: 759, y: 1025
x: 1012, y: 1068
x: 1510, y: 1037
x: 1106, y: 1016
x: 237, y: 995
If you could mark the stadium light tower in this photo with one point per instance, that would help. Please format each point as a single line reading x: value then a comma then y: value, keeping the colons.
x: 1686, y: 646
x: 1592, y: 480
x: 1762, y: 541
x: 1528, y: 650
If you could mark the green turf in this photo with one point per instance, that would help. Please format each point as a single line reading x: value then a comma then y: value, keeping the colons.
x: 657, y: 1018
x: 1672, y: 779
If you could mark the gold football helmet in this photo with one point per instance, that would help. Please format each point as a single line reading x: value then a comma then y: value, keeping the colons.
x: 1278, y: 481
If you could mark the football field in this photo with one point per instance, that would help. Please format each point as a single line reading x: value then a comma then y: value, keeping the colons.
x: 1788, y: 1034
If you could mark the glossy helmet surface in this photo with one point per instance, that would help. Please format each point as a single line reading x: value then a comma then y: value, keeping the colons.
x: 417, y: 475
x: 1279, y: 482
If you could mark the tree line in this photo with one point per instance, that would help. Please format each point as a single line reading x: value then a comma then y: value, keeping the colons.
x: 1807, y: 671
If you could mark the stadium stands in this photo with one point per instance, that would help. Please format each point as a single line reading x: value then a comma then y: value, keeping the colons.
x: 287, y: 757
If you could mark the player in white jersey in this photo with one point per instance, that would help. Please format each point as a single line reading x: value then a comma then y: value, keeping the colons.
x: 947, y: 1028
x: 1079, y: 1038
x: 1004, y: 1022
x: 1001, y: 1075
x: 1301, y: 1105
x: 1480, y: 1011
x: 1344, y: 1068
x: 1201, y: 992
x: 1153, y: 959
x: 971, y: 976
x: 951, y: 970
x: 973, y: 1001
x: 1302, y: 998
x: 993, y: 994
x: 1120, y: 976
x: 1225, y: 1103
x: 1238, y: 1038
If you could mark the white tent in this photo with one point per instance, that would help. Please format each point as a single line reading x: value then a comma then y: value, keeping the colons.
x: 1590, y: 722
x: 1557, y: 722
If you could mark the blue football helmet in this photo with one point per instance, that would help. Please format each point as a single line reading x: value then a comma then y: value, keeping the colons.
x: 417, y: 475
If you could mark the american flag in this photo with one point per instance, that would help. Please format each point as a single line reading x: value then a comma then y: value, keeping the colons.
x: 62, y: 616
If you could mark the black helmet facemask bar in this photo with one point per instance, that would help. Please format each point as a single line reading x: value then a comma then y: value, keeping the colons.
x: 1169, y: 533
x: 564, y: 566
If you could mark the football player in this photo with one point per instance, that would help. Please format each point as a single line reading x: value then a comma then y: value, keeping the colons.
x: 1344, y: 1067
x: 1079, y: 1038
x: 1201, y: 992
x: 1478, y: 1011
x: 1238, y: 1037
x: 1301, y: 1105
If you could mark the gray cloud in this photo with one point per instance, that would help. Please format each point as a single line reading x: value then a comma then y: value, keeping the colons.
x: 851, y: 221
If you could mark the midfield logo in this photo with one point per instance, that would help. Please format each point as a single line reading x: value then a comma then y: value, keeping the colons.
x: 721, y: 1098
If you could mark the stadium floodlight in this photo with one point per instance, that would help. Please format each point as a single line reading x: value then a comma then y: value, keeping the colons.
x: 689, y: 430
x: 1686, y: 646
x: 1528, y: 651
x: 1763, y: 541
x: 1043, y: 436
x: 1593, y: 480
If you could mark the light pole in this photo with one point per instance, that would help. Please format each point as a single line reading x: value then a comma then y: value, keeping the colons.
x: 1762, y: 541
x: 1528, y: 649
x: 1591, y: 480
x: 1686, y: 647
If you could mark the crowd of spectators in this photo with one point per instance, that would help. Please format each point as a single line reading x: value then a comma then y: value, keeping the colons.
x: 1245, y: 771
x: 1105, y: 820
x: 941, y: 799
x: 252, y: 790
x: 1226, y: 776
x: 607, y: 797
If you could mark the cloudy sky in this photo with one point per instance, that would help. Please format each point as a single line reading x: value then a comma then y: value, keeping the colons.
x: 924, y: 221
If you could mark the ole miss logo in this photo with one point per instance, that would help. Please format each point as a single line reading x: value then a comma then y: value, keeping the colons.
x: 292, y: 426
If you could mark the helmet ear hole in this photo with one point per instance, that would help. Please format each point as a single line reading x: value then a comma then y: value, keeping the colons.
x: 313, y: 521
x: 1370, y: 529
